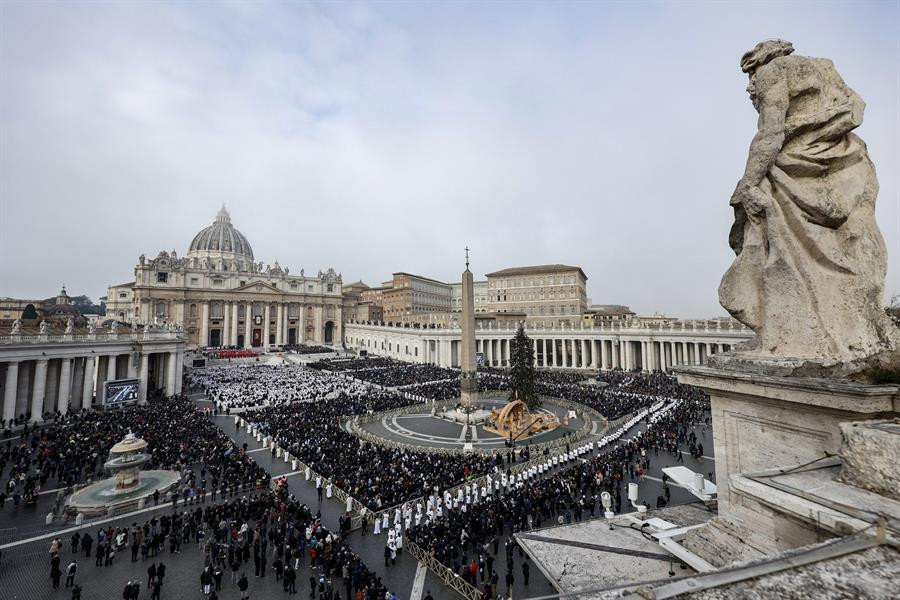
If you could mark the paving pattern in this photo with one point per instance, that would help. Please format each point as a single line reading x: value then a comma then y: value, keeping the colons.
x: 424, y: 429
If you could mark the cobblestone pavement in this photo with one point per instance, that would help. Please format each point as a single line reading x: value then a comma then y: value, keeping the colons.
x: 24, y: 568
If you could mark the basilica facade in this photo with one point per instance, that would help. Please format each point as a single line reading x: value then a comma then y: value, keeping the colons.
x: 221, y: 296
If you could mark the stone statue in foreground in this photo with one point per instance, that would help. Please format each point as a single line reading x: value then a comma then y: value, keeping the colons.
x: 810, y: 267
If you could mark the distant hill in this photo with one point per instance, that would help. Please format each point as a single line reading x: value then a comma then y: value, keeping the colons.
x: 84, y: 304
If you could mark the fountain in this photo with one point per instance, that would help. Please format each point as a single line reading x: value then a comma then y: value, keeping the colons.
x: 128, y: 485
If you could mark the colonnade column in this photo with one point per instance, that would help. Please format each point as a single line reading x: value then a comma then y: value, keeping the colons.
x: 171, y: 368
x: 553, y: 352
x: 204, y: 324
x: 9, y: 392
x: 143, y: 378
x: 604, y: 357
x: 594, y: 354
x: 267, y: 314
x: 536, y: 353
x: 39, y: 390
x: 111, y: 367
x: 179, y: 370
x: 696, y: 353
x: 565, y: 353
x: 87, y: 393
x: 65, y: 382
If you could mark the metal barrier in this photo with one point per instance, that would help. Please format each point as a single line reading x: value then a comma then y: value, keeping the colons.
x: 453, y: 581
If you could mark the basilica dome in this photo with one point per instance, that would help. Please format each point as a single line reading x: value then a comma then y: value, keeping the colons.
x: 221, y: 240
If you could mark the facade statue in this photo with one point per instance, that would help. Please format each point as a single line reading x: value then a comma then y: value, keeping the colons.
x: 44, y: 328
x: 114, y: 327
x: 92, y: 328
x: 810, y: 267
x: 16, y: 327
x: 70, y: 326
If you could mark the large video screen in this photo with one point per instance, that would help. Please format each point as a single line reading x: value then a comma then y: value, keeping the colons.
x: 121, y: 391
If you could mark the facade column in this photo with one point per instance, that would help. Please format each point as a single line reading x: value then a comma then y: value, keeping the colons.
x: 301, y: 329
x: 171, y: 368
x: 65, y: 383
x: 584, y: 354
x: 617, y: 354
x: 39, y: 390
x: 662, y: 357
x: 226, y: 323
x: 267, y: 314
x: 143, y: 378
x: 204, y: 324
x: 234, y: 325
x: 685, y: 355
x: 553, y: 362
x: 9, y: 391
x: 489, y: 354
x: 696, y: 353
x: 279, y: 324
x: 604, y: 356
x: 87, y: 393
x: 248, y: 325
x: 708, y: 352
x: 565, y: 353
x: 536, y: 353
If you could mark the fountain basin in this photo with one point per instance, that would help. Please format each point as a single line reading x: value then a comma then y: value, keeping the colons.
x: 98, y: 498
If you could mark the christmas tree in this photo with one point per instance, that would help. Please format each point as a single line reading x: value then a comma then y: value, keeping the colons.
x: 521, y: 374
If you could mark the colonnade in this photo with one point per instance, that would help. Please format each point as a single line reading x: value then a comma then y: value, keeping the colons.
x: 635, y: 348
x: 44, y: 375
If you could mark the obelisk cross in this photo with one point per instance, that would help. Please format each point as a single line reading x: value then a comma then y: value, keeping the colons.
x: 467, y: 257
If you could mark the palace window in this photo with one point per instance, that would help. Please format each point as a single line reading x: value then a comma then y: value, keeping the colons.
x: 330, y: 287
x: 215, y: 310
x: 162, y: 277
x: 195, y: 281
x: 160, y: 309
x: 122, y: 294
x: 193, y: 310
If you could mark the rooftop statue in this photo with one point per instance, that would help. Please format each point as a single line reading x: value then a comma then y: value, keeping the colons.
x: 810, y: 267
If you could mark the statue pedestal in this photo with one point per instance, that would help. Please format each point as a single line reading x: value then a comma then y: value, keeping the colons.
x: 765, y: 422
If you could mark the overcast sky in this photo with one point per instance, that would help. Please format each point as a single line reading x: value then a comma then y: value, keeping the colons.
x: 375, y: 138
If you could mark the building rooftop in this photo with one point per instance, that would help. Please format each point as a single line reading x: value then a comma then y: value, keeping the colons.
x: 420, y: 277
x: 536, y: 269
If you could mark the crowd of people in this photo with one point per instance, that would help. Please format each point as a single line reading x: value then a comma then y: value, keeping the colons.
x: 375, y: 475
x: 305, y: 410
x: 466, y: 539
x: 246, y: 386
x: 307, y: 349
x: 73, y: 448
x: 274, y: 529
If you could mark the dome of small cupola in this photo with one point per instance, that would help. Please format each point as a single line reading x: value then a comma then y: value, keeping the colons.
x: 221, y: 240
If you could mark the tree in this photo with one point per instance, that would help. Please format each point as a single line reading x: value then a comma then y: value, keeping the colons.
x: 521, y: 374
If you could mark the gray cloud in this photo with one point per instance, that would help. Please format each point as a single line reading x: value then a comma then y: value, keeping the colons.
x: 383, y: 137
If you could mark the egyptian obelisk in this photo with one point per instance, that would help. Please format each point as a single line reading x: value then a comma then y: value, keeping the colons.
x: 468, y: 378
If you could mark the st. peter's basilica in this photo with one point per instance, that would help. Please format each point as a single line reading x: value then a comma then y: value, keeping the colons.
x: 221, y: 296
